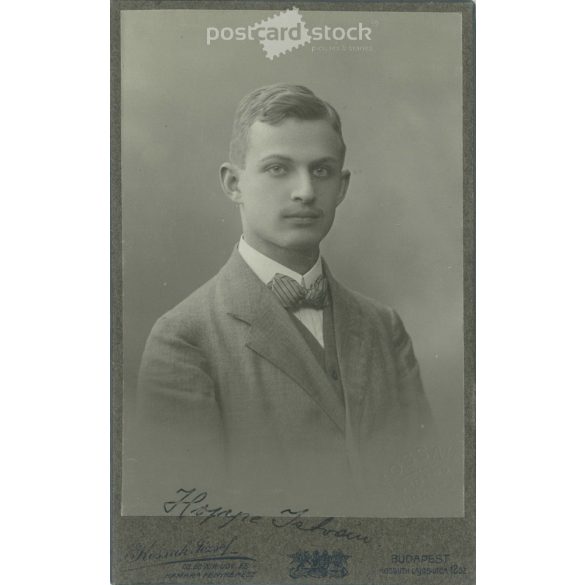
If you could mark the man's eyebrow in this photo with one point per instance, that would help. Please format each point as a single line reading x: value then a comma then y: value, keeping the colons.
x: 283, y: 158
x: 325, y: 159
x: 276, y: 157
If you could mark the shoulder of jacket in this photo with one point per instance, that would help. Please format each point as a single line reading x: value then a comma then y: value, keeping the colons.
x: 371, y: 306
x: 382, y: 317
x: 191, y: 311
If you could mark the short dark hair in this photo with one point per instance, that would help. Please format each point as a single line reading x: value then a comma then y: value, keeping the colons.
x: 273, y: 104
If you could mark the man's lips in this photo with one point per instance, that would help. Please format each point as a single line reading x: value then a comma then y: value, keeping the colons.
x: 303, y: 214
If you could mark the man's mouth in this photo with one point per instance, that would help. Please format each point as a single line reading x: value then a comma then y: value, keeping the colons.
x: 304, y: 215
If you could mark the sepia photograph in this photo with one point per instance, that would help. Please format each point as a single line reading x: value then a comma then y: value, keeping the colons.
x: 292, y: 262
x: 245, y: 232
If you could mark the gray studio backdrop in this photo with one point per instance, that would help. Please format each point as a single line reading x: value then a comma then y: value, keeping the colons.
x: 397, y: 237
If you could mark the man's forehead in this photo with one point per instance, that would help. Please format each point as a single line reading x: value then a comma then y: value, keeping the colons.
x: 292, y: 136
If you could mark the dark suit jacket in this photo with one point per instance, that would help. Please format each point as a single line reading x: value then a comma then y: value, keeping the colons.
x: 232, y: 400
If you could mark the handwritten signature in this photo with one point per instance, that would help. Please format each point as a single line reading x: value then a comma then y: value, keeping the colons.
x: 191, y: 502
x: 319, y: 526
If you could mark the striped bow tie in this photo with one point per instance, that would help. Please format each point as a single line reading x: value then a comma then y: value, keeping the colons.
x: 293, y: 295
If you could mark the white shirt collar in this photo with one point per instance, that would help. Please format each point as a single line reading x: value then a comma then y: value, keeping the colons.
x: 265, y: 268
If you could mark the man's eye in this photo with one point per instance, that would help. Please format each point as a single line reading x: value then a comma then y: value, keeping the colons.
x: 276, y: 170
x: 321, y: 172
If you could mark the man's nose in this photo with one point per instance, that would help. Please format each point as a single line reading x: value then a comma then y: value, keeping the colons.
x: 304, y: 189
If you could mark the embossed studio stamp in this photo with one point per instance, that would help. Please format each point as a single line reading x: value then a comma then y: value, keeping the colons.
x: 318, y: 564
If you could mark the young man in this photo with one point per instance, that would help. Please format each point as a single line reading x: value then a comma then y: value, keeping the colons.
x: 273, y: 386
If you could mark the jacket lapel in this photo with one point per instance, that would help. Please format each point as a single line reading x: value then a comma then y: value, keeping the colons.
x: 352, y: 343
x: 274, y: 337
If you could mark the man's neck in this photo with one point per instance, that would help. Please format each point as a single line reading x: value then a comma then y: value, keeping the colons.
x: 301, y: 261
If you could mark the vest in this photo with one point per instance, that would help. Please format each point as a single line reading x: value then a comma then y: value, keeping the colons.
x: 325, y: 356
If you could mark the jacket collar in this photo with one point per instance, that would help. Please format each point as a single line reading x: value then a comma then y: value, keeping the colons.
x: 275, y: 338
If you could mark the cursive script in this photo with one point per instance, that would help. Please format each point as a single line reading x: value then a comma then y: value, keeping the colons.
x: 153, y: 552
x: 319, y: 526
x: 191, y: 503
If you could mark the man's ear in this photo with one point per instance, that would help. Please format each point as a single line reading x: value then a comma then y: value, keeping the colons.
x: 345, y: 176
x: 229, y: 176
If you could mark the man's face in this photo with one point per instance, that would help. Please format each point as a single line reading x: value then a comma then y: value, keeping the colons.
x: 290, y: 186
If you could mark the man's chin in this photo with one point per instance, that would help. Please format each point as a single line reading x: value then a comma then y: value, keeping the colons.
x: 304, y: 245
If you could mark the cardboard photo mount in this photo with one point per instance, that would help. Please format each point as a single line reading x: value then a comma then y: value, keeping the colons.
x: 402, y: 76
